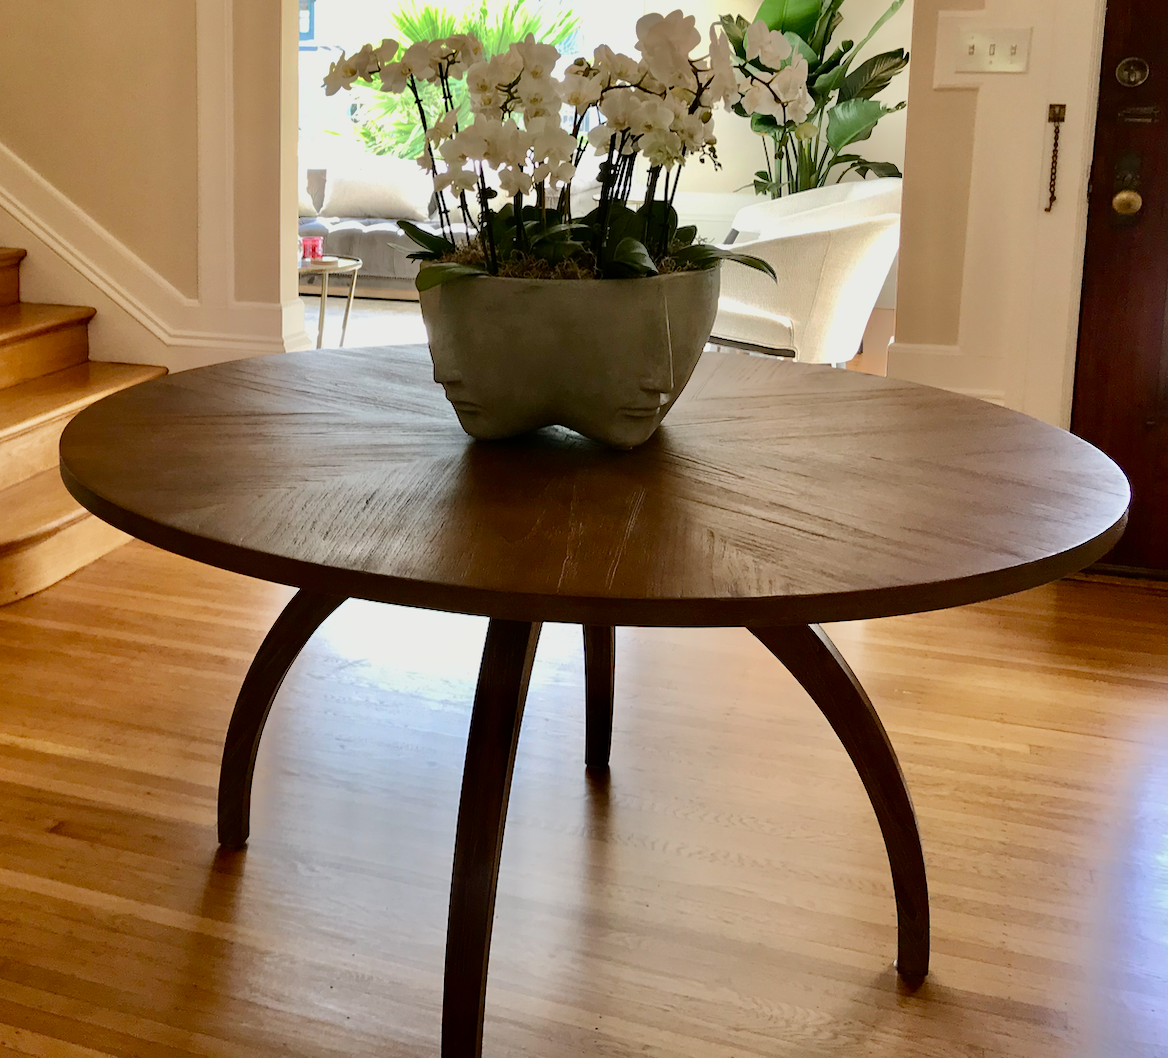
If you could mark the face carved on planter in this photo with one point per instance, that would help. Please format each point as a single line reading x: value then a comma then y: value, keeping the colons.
x: 597, y: 357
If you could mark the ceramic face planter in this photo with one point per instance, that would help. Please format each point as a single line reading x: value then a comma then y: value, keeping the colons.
x: 606, y: 358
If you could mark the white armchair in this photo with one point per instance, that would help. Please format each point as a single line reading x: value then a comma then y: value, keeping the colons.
x: 832, y: 249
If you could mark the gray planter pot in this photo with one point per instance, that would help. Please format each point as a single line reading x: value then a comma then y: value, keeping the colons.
x: 606, y: 358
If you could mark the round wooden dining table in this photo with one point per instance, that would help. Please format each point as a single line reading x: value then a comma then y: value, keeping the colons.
x: 775, y: 498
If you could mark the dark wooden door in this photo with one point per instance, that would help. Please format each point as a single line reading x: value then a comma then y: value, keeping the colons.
x: 1121, y: 378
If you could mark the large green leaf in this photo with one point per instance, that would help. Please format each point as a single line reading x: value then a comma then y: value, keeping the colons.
x: 832, y: 71
x: 798, y: 16
x: 802, y: 47
x: 853, y: 120
x: 863, y: 168
x: 872, y: 77
x: 896, y: 6
x: 829, y: 20
x: 436, y: 274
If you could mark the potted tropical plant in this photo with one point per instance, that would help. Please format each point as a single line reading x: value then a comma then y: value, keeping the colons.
x: 537, y: 317
x: 806, y: 140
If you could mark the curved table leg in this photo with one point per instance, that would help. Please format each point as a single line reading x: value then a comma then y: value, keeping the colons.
x: 815, y: 662
x: 599, y: 676
x: 293, y: 628
x: 478, y: 842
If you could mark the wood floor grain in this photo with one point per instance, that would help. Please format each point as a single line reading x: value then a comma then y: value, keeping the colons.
x: 725, y: 894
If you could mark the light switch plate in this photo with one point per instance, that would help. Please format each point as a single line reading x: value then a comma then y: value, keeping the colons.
x: 992, y: 50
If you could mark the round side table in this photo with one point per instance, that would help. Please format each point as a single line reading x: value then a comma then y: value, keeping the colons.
x: 324, y: 268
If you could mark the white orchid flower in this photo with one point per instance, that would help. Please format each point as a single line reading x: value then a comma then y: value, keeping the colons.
x: 538, y: 59
x: 723, y: 86
x: 442, y: 129
x: 766, y: 45
x: 661, y: 147
x: 665, y: 42
x: 460, y: 179
x: 469, y: 145
x: 799, y: 109
x: 550, y: 142
x: 342, y: 74
x: 480, y: 79
x: 537, y: 91
x: 417, y: 62
x: 394, y: 78
x: 601, y: 138
x: 385, y: 51
x: 650, y: 115
x: 618, y: 108
x: 614, y: 65
x: 760, y: 99
x: 514, y: 182
x: 562, y: 174
x: 791, y: 80
x: 580, y: 90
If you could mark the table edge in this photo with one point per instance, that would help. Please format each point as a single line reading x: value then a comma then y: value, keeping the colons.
x: 690, y: 612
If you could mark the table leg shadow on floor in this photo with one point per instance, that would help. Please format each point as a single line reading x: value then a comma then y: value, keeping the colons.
x: 508, y: 655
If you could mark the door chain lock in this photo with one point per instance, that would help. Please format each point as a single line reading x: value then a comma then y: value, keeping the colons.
x: 1056, y: 115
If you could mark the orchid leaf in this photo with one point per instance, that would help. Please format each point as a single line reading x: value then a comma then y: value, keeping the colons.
x: 684, y: 236
x: 437, y: 274
x: 703, y: 255
x: 631, y: 259
x: 427, y: 239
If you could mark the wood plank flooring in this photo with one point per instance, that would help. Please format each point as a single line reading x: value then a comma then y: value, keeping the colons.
x: 724, y: 895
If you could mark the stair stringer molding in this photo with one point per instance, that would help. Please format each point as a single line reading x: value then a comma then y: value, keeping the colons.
x: 142, y: 318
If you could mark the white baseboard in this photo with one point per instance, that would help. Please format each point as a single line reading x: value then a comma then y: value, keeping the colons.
x: 948, y: 367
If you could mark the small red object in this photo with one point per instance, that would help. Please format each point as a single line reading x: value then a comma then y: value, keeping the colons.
x: 312, y: 247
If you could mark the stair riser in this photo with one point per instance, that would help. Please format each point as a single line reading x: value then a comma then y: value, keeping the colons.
x: 10, y: 283
x: 32, y: 451
x: 44, y: 562
x: 43, y: 353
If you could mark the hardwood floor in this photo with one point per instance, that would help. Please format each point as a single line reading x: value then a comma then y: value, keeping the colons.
x: 724, y: 894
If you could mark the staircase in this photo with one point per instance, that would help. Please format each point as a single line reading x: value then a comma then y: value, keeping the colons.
x: 46, y: 377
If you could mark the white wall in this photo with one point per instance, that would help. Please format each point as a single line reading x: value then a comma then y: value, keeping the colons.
x: 1022, y: 274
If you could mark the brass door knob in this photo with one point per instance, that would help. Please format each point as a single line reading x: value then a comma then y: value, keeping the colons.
x: 1127, y: 203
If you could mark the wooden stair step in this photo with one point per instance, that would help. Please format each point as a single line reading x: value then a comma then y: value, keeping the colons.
x: 45, y: 535
x: 35, y: 508
x: 10, y: 259
x: 33, y: 413
x: 40, y: 339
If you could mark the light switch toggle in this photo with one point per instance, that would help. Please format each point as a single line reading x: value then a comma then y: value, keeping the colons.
x: 993, y: 50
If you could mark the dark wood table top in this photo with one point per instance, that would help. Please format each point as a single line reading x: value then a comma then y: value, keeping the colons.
x: 773, y: 494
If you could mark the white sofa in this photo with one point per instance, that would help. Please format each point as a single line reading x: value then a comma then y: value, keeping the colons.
x: 832, y: 249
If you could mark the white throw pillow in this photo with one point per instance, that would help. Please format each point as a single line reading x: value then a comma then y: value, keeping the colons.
x: 386, y: 187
